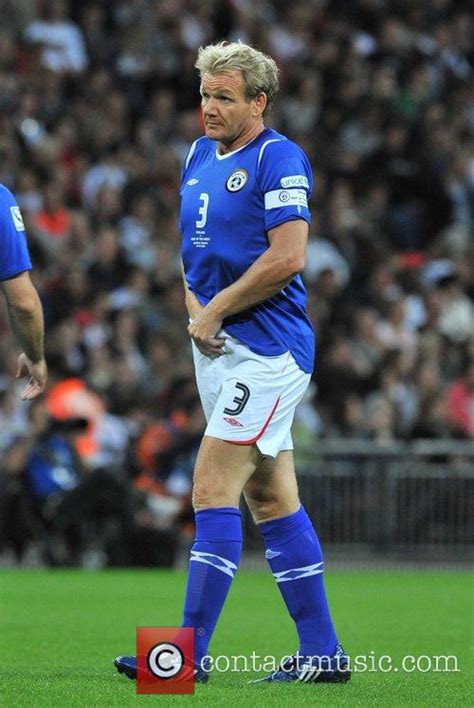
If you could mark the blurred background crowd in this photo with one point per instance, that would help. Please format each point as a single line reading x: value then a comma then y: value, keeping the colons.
x: 99, y: 104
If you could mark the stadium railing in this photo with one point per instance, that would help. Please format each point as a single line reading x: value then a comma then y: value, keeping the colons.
x: 401, y: 497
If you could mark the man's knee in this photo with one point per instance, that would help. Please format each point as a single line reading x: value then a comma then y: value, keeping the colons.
x: 266, y: 502
x: 264, y: 510
x: 210, y: 488
x: 206, y: 495
x: 221, y: 472
x: 262, y: 502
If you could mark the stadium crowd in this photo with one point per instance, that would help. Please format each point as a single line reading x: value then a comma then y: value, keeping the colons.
x: 99, y: 105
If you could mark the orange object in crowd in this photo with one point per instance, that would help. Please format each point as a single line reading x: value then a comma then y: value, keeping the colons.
x: 72, y: 399
x: 57, y: 224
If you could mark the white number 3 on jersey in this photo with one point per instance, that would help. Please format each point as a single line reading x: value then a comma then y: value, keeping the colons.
x: 204, y: 198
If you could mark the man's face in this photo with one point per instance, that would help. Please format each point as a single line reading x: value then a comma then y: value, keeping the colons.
x: 226, y: 111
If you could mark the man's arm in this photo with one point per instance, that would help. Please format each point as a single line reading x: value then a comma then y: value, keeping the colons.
x: 270, y: 273
x: 193, y: 306
x: 26, y: 318
x: 212, y: 347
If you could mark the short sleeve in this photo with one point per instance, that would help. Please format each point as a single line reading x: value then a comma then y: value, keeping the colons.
x: 187, y: 160
x: 14, y: 256
x: 286, y: 180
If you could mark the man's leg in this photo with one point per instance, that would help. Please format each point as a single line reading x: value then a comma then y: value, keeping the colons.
x: 293, y: 551
x: 221, y: 471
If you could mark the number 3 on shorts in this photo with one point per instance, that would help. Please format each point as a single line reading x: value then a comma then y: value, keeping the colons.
x: 240, y: 401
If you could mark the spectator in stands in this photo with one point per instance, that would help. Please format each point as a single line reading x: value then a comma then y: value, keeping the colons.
x: 460, y: 400
x: 61, y: 41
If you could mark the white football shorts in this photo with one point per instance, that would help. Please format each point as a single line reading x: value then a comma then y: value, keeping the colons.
x: 250, y: 399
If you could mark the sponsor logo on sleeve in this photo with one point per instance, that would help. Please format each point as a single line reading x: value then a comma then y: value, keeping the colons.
x: 294, y: 181
x: 286, y: 197
x: 17, y: 218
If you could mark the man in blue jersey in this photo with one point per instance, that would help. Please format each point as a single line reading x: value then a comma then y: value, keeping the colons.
x: 244, y: 219
x: 24, y: 306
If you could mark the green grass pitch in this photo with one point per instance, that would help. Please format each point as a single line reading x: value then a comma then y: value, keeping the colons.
x: 60, y: 630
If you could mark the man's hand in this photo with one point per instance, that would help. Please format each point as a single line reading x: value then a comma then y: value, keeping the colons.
x: 203, y: 330
x: 26, y: 318
x: 38, y: 373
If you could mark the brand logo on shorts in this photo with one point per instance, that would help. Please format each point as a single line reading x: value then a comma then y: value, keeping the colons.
x: 237, y: 180
x: 192, y: 182
x: 234, y: 422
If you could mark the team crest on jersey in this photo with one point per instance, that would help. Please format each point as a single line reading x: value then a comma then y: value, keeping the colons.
x: 237, y: 180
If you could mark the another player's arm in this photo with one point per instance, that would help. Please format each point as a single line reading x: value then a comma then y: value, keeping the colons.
x: 269, y: 274
x: 26, y: 318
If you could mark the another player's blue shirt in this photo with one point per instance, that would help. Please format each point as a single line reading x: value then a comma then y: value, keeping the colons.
x: 228, y: 204
x: 14, y: 257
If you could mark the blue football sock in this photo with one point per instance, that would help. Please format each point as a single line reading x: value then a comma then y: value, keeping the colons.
x: 294, y: 555
x: 215, y: 556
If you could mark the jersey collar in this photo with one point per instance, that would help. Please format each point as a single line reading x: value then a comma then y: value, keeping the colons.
x: 234, y: 152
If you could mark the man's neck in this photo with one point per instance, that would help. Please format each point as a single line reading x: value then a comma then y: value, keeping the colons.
x: 243, y: 139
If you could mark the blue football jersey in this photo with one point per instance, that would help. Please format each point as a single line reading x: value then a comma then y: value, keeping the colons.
x: 228, y: 204
x: 14, y: 257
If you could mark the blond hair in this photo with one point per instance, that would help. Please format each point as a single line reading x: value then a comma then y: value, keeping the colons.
x: 259, y: 71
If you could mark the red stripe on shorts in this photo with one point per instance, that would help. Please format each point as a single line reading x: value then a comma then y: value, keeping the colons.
x: 257, y: 437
